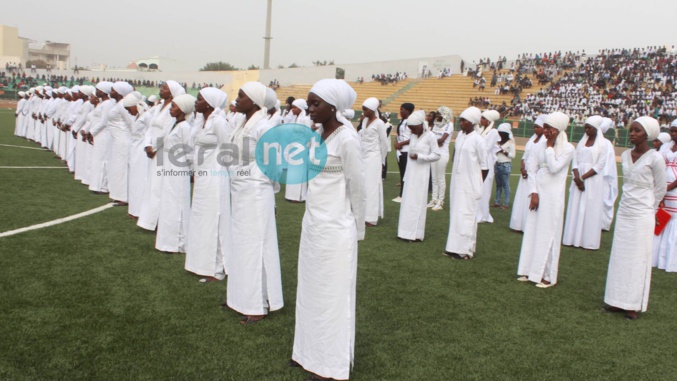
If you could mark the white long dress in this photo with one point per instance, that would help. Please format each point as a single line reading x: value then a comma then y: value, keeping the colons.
x: 583, y: 223
x: 138, y: 163
x: 69, y: 140
x: 204, y: 255
x: 520, y: 206
x: 297, y: 192
x: 254, y: 275
x: 374, y: 144
x: 629, y: 277
x: 98, y: 175
x: 610, y: 186
x: 19, y: 117
x: 541, y: 244
x: 324, y: 337
x: 465, y: 192
x: 80, y: 146
x: 150, y: 208
x: 665, y: 245
x: 173, y: 217
x: 413, y: 208
x: 491, y: 137
x: 120, y: 123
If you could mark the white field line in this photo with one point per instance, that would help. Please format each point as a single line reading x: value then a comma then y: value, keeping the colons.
x: 57, y: 221
x: 33, y: 167
x: 512, y: 174
x: 9, y: 145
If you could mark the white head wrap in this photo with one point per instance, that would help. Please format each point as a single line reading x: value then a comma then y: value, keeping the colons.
x: 337, y: 93
x: 607, y: 123
x: 664, y: 137
x: 491, y: 115
x: 447, y: 115
x: 416, y: 118
x: 104, y: 86
x: 87, y: 90
x: 505, y: 127
x: 277, y: 104
x: 595, y: 121
x: 152, y: 99
x: 300, y: 103
x: 48, y: 92
x: 472, y: 115
x: 540, y: 119
x: 175, y: 88
x: 271, y: 98
x: 372, y: 104
x: 74, y: 89
x: 650, y: 125
x: 22, y: 94
x: 186, y: 103
x: 64, y: 90
x: 123, y: 88
x: 348, y: 114
x: 674, y: 123
x: 215, y: 98
x: 138, y: 95
x: 256, y: 91
x: 560, y: 121
x: 129, y: 100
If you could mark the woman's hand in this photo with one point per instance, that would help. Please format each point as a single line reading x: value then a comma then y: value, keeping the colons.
x: 533, y: 205
x: 524, y: 173
x: 579, y: 184
x: 413, y: 156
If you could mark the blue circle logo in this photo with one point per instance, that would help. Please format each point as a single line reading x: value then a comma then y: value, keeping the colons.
x: 291, y: 153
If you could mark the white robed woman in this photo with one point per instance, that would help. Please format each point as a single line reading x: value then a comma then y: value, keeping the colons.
x: 423, y: 150
x: 469, y: 171
x: 629, y: 277
x: 374, y: 150
x: 273, y: 106
x: 488, y: 132
x: 297, y: 192
x: 204, y: 255
x: 583, y: 223
x: 120, y: 123
x: 547, y: 175
x: 665, y: 244
x: 520, y: 206
x: 443, y: 129
x: 161, y: 123
x: 138, y: 160
x: 173, y: 219
x: 84, y: 134
x: 254, y: 279
x: 610, y: 177
x: 99, y: 137
x: 81, y: 121
x: 324, y: 337
x: 18, y: 114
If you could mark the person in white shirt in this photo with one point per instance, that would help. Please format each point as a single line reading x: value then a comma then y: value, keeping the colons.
x: 443, y: 128
x: 503, y: 166
x: 402, y: 145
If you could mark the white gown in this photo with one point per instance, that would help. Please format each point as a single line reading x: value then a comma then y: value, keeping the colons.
x: 465, y: 192
x: 173, y: 217
x: 629, y: 277
x: 491, y: 137
x: 610, y: 186
x: 297, y: 192
x: 413, y: 208
x: 80, y: 147
x: 583, y: 223
x: 374, y: 144
x: 138, y: 163
x: 254, y: 275
x: 520, y: 206
x: 98, y: 175
x: 665, y: 245
x: 324, y: 336
x: 120, y: 123
x: 18, y: 122
x: 541, y: 243
x: 204, y: 255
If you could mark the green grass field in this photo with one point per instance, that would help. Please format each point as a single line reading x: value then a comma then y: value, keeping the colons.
x: 92, y: 300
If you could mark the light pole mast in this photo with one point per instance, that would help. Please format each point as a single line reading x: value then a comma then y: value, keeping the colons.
x: 266, y: 52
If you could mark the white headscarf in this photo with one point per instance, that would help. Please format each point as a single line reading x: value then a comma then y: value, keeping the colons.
x: 256, y: 91
x: 300, y: 103
x: 492, y: 116
x: 607, y: 123
x: 186, y: 103
x: 337, y: 93
x: 650, y: 125
x: 271, y: 99
x: 87, y: 90
x: 540, y: 119
x: 75, y: 89
x: 123, y: 88
x: 416, y: 118
x: 595, y: 121
x: 371, y: 104
x: 664, y: 137
x: 506, y: 127
x: 348, y: 114
x: 175, y: 88
x: 152, y: 99
x: 674, y: 123
x: 22, y: 94
x: 104, y: 86
x: 215, y: 98
x: 472, y: 115
x: 129, y: 100
x: 447, y: 115
x: 560, y: 121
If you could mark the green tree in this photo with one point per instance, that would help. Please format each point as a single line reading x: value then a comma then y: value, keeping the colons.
x: 293, y: 65
x: 253, y: 67
x: 218, y: 66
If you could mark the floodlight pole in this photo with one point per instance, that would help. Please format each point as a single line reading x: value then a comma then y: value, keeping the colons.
x: 266, y: 52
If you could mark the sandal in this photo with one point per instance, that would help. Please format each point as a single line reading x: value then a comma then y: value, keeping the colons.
x: 251, y: 319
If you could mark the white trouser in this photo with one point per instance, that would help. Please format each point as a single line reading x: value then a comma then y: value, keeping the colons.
x: 439, y: 172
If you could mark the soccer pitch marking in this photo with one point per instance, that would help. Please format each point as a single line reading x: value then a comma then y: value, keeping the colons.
x: 13, y: 146
x: 10, y: 167
x: 57, y: 221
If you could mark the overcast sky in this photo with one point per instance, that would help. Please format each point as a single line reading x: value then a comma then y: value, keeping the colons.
x: 346, y: 31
